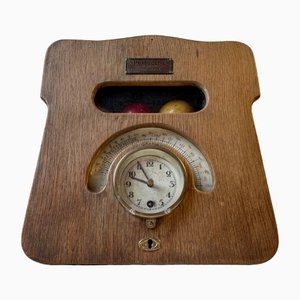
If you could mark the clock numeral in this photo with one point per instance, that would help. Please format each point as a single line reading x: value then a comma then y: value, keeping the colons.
x: 149, y: 163
x: 168, y: 173
x: 138, y: 167
x: 169, y: 195
x: 160, y: 166
x: 131, y: 174
x: 172, y: 184
x: 161, y: 202
x: 128, y: 183
x: 130, y: 195
x: 138, y: 201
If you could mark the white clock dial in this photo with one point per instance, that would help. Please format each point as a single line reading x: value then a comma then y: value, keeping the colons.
x: 149, y: 182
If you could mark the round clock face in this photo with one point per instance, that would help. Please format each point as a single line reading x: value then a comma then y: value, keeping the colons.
x: 149, y: 182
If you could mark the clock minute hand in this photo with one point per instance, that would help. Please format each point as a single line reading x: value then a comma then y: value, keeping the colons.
x: 150, y: 181
x: 140, y: 165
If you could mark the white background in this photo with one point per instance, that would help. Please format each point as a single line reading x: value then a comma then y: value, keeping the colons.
x: 268, y: 27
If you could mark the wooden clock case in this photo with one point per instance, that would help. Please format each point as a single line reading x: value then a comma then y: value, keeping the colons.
x: 68, y: 224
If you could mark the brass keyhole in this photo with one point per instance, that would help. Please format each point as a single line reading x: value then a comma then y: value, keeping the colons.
x: 149, y: 244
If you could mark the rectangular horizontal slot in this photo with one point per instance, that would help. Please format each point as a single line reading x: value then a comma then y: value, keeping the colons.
x: 150, y: 98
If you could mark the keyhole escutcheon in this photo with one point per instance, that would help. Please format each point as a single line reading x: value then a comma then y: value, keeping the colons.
x: 149, y: 244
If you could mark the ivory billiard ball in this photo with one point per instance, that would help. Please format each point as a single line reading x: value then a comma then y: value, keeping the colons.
x: 176, y: 106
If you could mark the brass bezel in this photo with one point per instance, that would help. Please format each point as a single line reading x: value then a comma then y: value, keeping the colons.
x: 118, y: 169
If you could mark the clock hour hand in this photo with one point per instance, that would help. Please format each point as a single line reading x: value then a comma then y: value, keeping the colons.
x: 148, y: 182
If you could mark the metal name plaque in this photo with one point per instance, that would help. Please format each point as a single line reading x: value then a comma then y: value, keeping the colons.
x: 149, y: 66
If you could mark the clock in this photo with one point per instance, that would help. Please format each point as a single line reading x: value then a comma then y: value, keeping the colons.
x: 149, y: 182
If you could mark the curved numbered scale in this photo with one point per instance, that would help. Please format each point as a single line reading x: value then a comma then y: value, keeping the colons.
x: 152, y: 137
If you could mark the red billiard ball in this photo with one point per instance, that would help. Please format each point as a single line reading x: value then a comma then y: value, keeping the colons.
x: 136, y: 108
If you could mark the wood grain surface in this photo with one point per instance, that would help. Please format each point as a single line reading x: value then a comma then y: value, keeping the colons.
x: 67, y: 224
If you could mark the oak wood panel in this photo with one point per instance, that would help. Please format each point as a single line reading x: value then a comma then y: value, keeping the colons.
x: 67, y: 224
